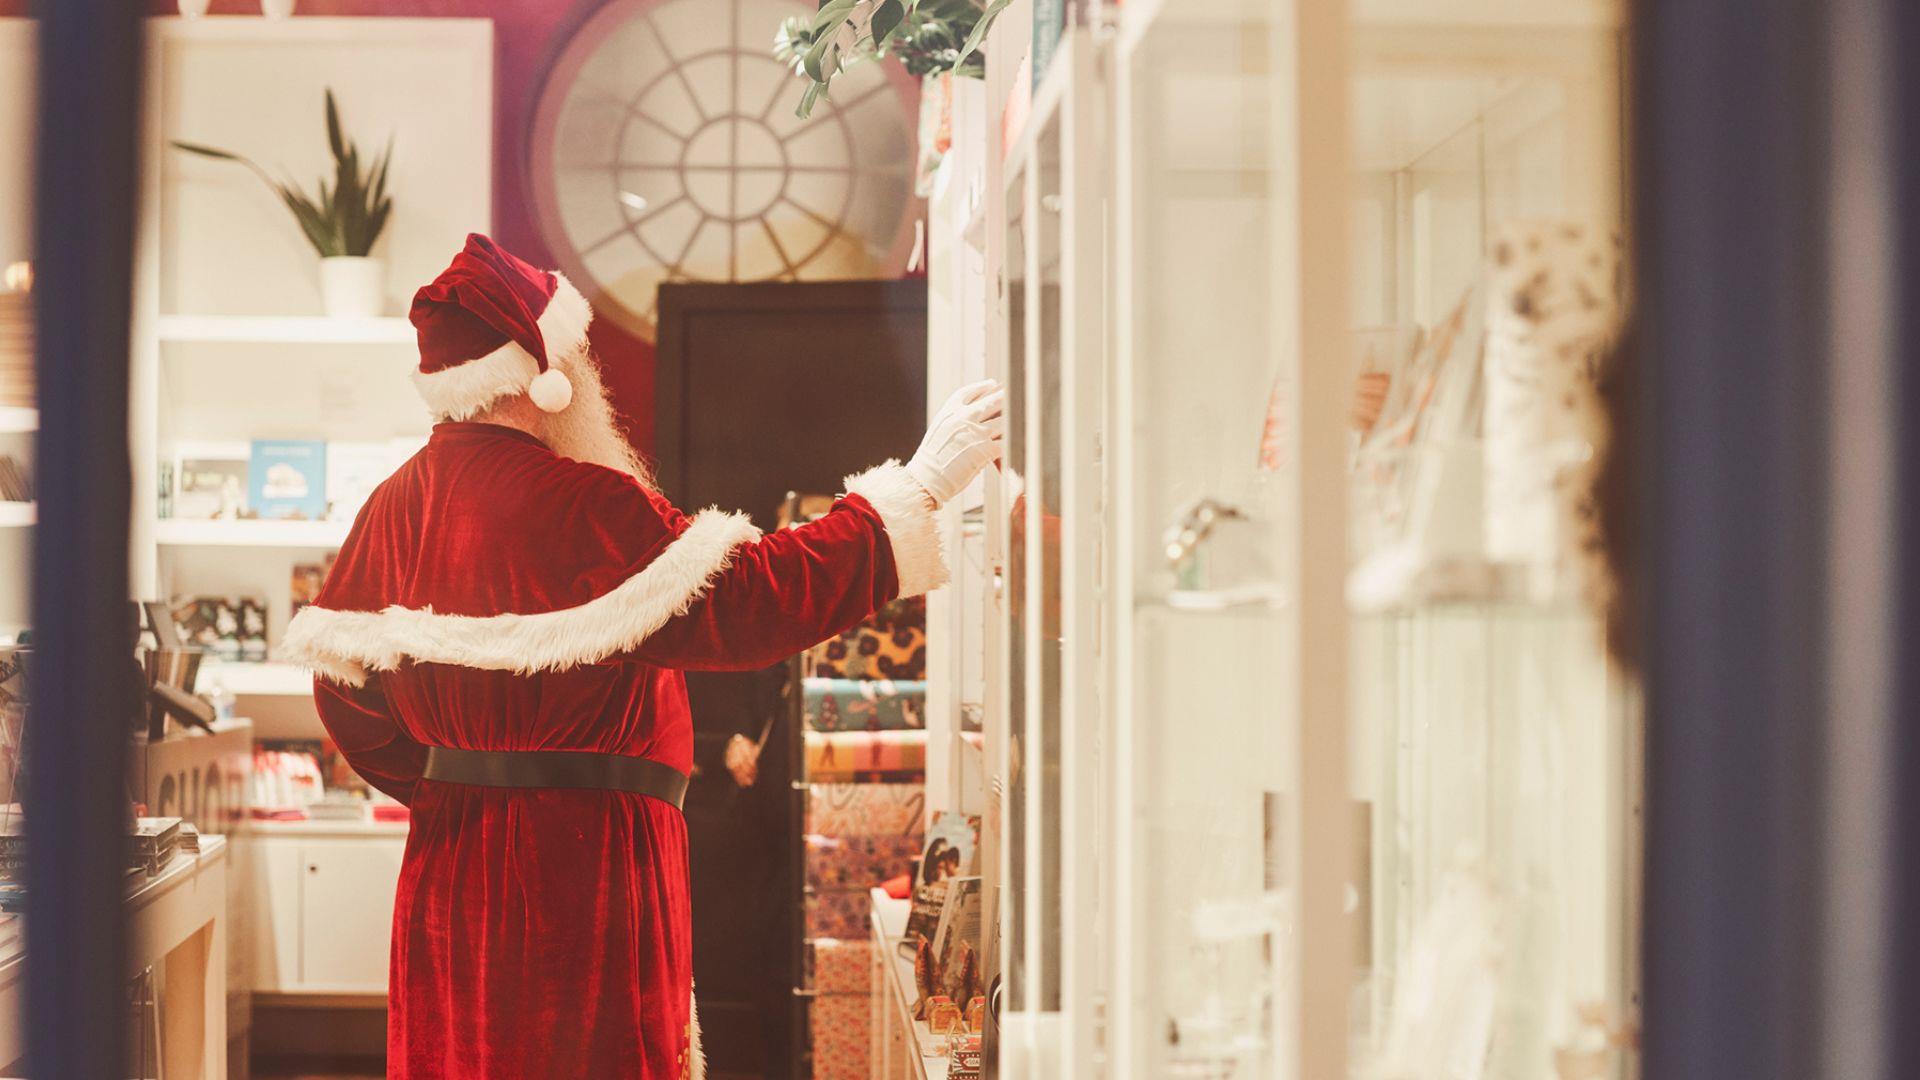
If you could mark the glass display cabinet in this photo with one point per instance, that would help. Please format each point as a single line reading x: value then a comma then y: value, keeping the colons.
x: 1304, y: 754
x: 1494, y: 745
x: 1054, y: 755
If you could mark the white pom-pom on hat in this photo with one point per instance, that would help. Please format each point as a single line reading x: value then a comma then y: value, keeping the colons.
x: 551, y: 390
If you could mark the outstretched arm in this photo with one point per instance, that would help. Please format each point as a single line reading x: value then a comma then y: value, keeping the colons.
x: 785, y: 592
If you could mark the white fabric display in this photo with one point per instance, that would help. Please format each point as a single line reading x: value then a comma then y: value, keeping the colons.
x: 963, y: 438
x: 1552, y: 318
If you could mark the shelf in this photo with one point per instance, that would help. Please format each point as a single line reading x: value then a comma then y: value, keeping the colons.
x: 178, y: 532
x: 16, y: 419
x: 258, y: 679
x: 16, y: 515
x: 285, y: 330
x: 890, y: 926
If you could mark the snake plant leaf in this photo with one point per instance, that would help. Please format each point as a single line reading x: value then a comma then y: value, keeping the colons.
x: 334, y: 139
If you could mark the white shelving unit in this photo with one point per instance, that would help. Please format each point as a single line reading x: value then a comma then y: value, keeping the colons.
x: 259, y: 679
x: 16, y: 515
x: 229, y: 345
x: 285, y: 330
x: 179, y: 532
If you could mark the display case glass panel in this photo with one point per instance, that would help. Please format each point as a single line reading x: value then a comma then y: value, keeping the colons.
x: 1206, y: 495
x: 1493, y: 743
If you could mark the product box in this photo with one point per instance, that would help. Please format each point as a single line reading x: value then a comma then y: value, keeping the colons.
x: 206, y: 488
x: 306, y: 581
x: 287, y: 479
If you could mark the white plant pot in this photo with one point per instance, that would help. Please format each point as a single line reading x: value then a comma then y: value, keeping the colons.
x: 193, y: 9
x: 353, y: 286
x: 277, y: 9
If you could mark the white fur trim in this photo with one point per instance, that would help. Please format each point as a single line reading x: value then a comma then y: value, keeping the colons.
x: 696, y: 1057
x: 550, y: 390
x: 463, y: 390
x: 345, y: 645
x: 919, y: 557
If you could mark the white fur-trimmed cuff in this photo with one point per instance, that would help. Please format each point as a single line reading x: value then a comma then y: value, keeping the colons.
x: 919, y: 556
x: 463, y: 390
x: 345, y: 645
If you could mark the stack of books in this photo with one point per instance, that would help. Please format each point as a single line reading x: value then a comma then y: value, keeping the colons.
x: 16, y: 348
x: 16, y: 482
x: 13, y: 845
x: 153, y: 843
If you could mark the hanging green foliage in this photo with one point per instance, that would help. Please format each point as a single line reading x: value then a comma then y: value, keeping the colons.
x: 927, y: 36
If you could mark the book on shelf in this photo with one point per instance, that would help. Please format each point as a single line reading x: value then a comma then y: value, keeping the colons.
x: 307, y: 579
x: 952, y: 851
x: 287, y: 479
x: 956, y: 940
x: 16, y: 480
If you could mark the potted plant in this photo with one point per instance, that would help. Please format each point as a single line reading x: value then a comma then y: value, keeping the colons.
x: 932, y: 38
x: 342, y: 220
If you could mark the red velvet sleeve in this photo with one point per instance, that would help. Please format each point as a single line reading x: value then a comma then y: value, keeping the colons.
x: 362, y: 727
x: 783, y: 593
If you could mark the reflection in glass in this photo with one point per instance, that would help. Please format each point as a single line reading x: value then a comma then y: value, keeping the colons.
x: 1046, y: 541
x: 1016, y: 466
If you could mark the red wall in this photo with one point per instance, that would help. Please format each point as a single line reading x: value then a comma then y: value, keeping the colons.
x: 527, y: 34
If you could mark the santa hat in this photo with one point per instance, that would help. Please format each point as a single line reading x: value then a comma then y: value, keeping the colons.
x: 492, y: 325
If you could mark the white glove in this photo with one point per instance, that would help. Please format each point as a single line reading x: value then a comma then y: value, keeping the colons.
x: 963, y: 438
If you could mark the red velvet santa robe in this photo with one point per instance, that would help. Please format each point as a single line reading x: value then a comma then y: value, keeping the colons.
x: 495, y: 596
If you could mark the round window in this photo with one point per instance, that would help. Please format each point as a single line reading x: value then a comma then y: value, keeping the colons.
x: 665, y: 148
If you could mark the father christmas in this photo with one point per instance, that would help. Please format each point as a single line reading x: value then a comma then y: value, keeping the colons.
x: 500, y: 645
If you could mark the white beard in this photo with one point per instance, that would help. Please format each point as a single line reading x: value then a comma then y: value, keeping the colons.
x: 589, y: 428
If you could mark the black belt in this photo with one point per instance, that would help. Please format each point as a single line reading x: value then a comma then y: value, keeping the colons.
x: 557, y: 769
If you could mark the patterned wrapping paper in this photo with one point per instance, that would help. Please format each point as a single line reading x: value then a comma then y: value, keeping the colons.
x: 840, y: 1037
x: 1551, y: 326
x: 890, y: 645
x: 866, y: 756
x: 840, y: 965
x: 857, y: 862
x: 841, y: 914
x: 866, y: 809
x: 865, y: 704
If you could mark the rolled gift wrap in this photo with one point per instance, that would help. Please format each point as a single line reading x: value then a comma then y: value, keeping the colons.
x: 866, y: 756
x: 892, y: 644
x: 857, y: 862
x: 839, y: 809
x: 841, y: 965
x: 865, y: 704
x: 840, y: 1036
x: 839, y: 914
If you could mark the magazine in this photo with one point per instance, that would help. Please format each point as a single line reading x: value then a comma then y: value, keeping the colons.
x: 952, y: 851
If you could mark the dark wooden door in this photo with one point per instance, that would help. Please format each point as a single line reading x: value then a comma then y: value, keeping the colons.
x: 762, y: 390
